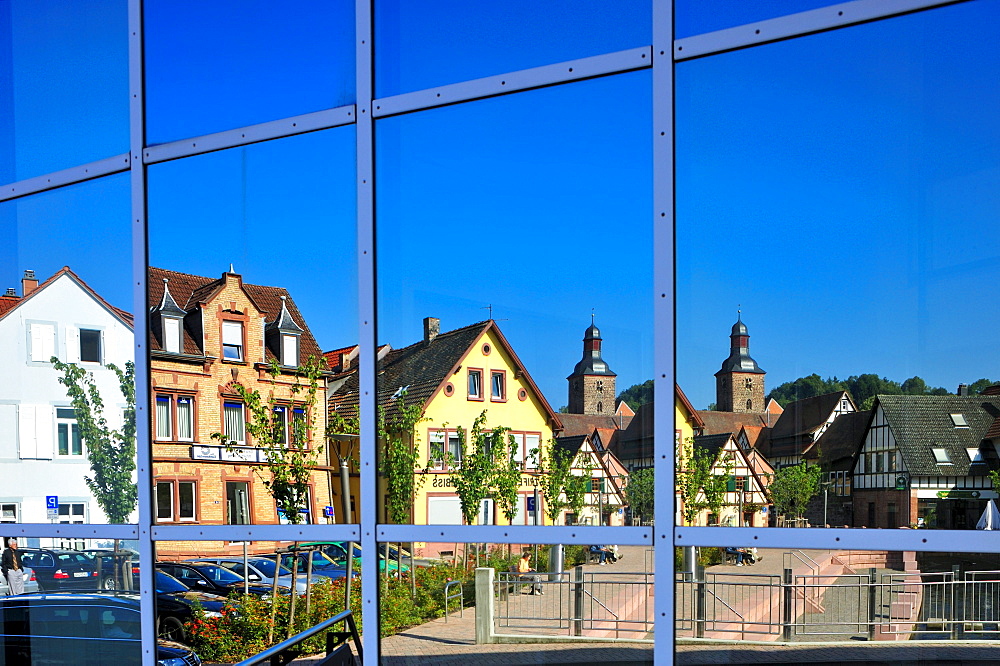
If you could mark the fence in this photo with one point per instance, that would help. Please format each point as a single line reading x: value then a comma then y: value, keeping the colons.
x: 611, y: 604
x: 859, y: 606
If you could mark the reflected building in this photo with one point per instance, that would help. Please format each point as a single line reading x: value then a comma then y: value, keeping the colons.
x: 454, y: 377
x: 208, y: 336
x: 42, y: 453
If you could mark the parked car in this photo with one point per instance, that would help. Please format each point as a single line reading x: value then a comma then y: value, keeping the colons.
x: 321, y: 564
x: 175, y: 602
x: 258, y: 570
x: 30, y: 583
x: 337, y: 551
x: 60, y: 569
x: 79, y: 630
x: 208, y: 577
x: 109, y: 573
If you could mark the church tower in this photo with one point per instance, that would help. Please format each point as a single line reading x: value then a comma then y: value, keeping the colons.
x: 739, y: 385
x: 592, y: 384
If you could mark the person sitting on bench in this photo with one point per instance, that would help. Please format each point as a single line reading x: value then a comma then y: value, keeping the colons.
x: 740, y: 553
x: 524, y: 570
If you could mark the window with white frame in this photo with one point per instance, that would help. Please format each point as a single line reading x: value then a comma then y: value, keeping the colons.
x: 232, y: 341
x: 172, y: 335
x: 444, y: 449
x: 90, y: 346
x: 289, y: 350
x: 69, y: 444
x: 238, y: 502
x: 475, y: 384
x: 9, y: 512
x: 42, y: 338
x: 234, y: 423
x: 498, y: 385
x: 175, y: 500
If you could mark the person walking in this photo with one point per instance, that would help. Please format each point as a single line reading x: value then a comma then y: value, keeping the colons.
x: 524, y: 571
x: 10, y: 567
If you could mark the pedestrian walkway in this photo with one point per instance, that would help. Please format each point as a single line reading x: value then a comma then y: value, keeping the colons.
x: 454, y: 642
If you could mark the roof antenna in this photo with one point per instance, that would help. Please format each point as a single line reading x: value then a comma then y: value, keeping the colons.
x: 490, y: 308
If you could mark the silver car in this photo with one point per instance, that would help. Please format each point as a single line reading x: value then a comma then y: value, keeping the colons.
x: 260, y: 570
x: 30, y: 583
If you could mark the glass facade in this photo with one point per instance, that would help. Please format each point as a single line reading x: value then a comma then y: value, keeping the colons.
x: 353, y: 247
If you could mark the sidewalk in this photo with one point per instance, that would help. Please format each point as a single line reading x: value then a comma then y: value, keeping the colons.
x: 454, y: 642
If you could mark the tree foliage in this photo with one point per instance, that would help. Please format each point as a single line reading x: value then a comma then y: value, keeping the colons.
x: 400, y: 460
x: 481, y: 449
x: 793, y: 487
x: 863, y: 388
x: 289, y: 464
x: 555, y: 466
x: 639, y: 493
x: 637, y: 394
x: 111, y: 452
x: 507, y: 479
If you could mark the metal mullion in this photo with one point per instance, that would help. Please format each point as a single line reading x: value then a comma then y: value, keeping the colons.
x: 798, y: 25
x: 71, y: 176
x: 549, y: 534
x: 242, y: 136
x: 664, y: 352
x: 367, y: 325
x: 318, y: 532
x: 140, y: 260
x: 938, y: 541
x: 71, y: 531
x: 511, y: 82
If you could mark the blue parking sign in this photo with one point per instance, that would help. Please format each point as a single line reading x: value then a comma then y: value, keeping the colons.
x: 51, y: 501
x: 531, y: 503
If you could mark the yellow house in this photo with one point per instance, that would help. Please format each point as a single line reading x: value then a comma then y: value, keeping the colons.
x: 455, y: 376
x: 687, y: 424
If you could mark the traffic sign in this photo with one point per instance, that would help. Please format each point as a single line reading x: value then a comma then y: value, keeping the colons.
x: 52, y: 514
x: 531, y: 503
x: 52, y: 502
x: 328, y: 511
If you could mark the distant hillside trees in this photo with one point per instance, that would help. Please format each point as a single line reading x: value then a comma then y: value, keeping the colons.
x: 863, y: 388
x: 637, y: 394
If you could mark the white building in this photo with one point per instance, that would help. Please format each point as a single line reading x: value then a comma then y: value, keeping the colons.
x: 41, y: 452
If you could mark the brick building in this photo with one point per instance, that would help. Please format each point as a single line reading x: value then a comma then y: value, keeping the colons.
x: 739, y: 384
x: 206, y: 336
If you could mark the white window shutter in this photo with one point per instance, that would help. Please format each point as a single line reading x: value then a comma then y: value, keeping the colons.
x: 72, y: 344
x: 37, y: 351
x: 171, y: 334
x: 44, y: 431
x: 27, y: 444
x: 48, y: 342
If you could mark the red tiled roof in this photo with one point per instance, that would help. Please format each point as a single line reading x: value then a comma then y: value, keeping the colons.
x: 8, y: 303
x: 191, y: 290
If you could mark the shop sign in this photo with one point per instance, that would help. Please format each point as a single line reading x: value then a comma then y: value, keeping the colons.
x: 958, y: 494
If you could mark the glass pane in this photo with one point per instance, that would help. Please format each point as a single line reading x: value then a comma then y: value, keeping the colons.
x: 836, y: 596
x: 431, y: 44
x: 492, y: 292
x: 857, y: 210
x: 693, y: 17
x: 66, y: 268
x: 221, y: 65
x: 540, y: 594
x: 279, y: 208
x: 63, y: 84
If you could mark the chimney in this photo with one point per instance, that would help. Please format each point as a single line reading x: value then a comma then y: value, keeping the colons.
x: 432, y: 326
x: 11, y: 292
x: 963, y: 389
x: 28, y: 283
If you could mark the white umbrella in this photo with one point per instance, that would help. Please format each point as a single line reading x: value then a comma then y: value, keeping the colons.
x: 990, y: 520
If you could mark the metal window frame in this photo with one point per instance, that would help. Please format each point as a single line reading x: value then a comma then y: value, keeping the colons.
x: 363, y: 115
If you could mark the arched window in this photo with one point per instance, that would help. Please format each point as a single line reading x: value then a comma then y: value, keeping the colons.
x: 749, y: 405
x: 600, y: 407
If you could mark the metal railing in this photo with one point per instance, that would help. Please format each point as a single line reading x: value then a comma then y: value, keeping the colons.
x: 338, y: 651
x: 460, y: 595
x: 605, y: 603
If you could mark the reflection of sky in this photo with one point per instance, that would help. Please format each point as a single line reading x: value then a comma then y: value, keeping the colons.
x: 534, y: 203
x: 844, y: 188
x: 841, y: 187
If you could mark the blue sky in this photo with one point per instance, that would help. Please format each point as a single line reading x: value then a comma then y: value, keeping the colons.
x: 843, y: 188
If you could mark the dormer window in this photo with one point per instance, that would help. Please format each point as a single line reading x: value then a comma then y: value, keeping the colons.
x: 289, y: 350
x: 232, y: 340
x: 941, y: 456
x: 172, y: 335
x: 958, y: 420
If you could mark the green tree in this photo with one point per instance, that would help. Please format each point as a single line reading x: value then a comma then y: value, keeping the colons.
x: 507, y: 480
x: 977, y: 387
x: 914, y: 386
x: 399, y: 463
x: 289, y: 464
x: 639, y: 493
x: 715, y: 486
x: 697, y: 482
x: 554, y: 467
x: 793, y: 487
x: 476, y: 470
x: 111, y: 452
x: 638, y: 394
